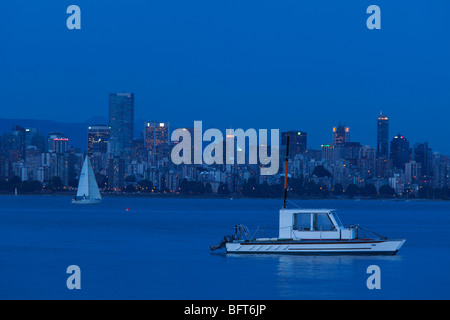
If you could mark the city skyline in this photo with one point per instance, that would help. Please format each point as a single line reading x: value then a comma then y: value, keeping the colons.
x: 316, y: 138
x: 121, y: 133
x: 123, y: 162
x: 140, y: 124
x: 340, y: 133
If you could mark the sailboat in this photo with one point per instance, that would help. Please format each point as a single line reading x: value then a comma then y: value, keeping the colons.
x: 15, y: 192
x: 88, y: 192
x: 310, y: 232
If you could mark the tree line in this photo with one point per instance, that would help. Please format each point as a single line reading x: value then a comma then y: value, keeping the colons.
x: 299, y: 187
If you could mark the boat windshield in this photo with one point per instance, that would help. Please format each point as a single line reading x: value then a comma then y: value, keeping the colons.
x: 336, y: 219
x: 312, y: 222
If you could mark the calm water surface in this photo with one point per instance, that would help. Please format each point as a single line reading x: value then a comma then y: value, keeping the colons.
x: 159, y: 249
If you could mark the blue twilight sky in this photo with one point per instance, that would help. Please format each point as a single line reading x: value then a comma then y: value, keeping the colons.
x: 290, y: 64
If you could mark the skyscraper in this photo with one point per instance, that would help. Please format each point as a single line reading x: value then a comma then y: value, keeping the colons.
x: 156, y: 136
x: 383, y: 136
x: 121, y: 121
x: 422, y: 154
x: 57, y: 142
x: 367, y: 162
x: 400, y: 151
x: 98, y: 138
x: 412, y: 172
x: 341, y: 135
x: 351, y: 152
x: 34, y: 138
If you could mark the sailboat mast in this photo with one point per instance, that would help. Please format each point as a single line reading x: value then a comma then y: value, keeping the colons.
x: 286, y: 171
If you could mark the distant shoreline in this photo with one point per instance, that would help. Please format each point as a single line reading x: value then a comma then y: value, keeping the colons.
x: 216, y: 196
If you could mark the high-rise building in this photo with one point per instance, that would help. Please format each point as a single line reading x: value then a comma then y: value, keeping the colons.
x: 57, y: 142
x: 412, y: 172
x: 400, y: 151
x: 98, y: 138
x: 350, y: 151
x: 441, y: 171
x: 329, y: 153
x: 156, y: 137
x: 140, y: 153
x: 121, y: 121
x: 422, y: 154
x: 383, y: 136
x: 297, y: 142
x: 341, y: 135
x: 34, y: 138
x: 367, y: 162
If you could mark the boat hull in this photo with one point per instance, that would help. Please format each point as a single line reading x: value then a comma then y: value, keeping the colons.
x: 319, y: 247
x: 86, y: 201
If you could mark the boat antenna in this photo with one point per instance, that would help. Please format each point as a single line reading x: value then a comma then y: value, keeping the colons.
x: 286, y: 171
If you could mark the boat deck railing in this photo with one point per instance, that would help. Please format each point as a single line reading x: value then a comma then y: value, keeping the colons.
x: 241, y: 232
x: 362, y: 233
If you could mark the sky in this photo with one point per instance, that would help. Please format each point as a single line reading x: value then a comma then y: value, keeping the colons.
x: 263, y: 64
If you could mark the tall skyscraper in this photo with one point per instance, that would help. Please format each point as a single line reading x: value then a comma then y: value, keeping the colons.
x: 156, y: 137
x: 341, y: 135
x: 422, y: 154
x: 121, y: 121
x: 382, y: 152
x: 400, y: 151
x: 297, y: 142
x: 34, y: 138
x: 57, y: 142
x: 98, y: 138
x: 383, y: 136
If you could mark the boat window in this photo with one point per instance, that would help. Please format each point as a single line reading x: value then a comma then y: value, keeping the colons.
x: 338, y: 221
x: 323, y: 223
x: 302, y: 221
x: 312, y: 222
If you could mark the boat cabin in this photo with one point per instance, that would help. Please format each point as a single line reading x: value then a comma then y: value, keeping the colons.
x: 322, y: 224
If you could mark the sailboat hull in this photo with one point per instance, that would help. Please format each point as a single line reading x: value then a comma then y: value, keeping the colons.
x: 320, y: 247
x: 86, y: 201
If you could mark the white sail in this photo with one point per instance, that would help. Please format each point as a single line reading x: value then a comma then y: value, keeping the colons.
x: 94, y: 192
x: 87, y: 185
x: 83, y: 183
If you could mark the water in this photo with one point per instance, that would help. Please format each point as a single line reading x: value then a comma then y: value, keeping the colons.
x: 159, y: 249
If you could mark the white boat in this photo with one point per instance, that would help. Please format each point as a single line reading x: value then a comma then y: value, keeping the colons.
x: 310, y: 232
x: 15, y: 192
x: 88, y: 192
